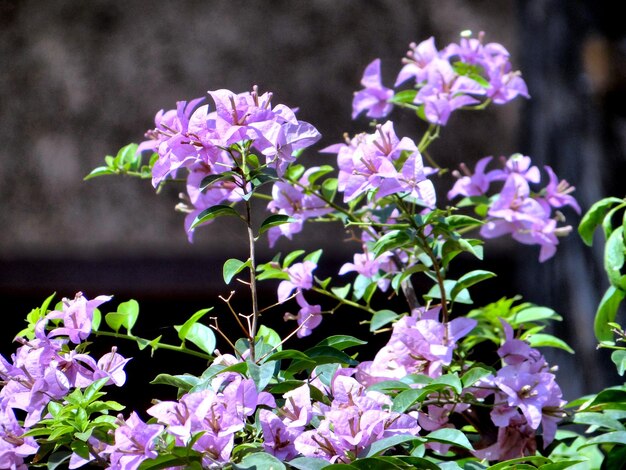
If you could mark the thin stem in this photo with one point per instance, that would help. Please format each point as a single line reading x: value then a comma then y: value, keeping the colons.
x: 343, y: 301
x: 169, y: 347
x: 253, y: 287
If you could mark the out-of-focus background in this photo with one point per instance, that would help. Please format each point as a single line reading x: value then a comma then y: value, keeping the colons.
x: 78, y: 80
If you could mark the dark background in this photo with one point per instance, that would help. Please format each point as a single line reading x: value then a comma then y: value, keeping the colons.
x: 78, y: 80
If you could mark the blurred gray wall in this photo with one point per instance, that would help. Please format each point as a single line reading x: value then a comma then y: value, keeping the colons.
x: 79, y: 79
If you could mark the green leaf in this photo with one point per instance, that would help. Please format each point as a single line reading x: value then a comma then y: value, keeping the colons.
x: 462, y: 297
x: 100, y: 171
x: 516, y: 463
x: 381, y: 318
x: 404, y: 96
x: 274, y: 221
x: 308, y: 463
x: 616, y: 437
x: 341, y: 342
x: 232, y: 267
x: 614, y: 258
x: 321, y: 171
x: 291, y: 257
x: 607, y: 310
x: 380, y: 446
x: 405, y: 399
x: 598, y: 419
x: 126, y: 316
x: 391, y: 240
x: 450, y: 436
x: 314, y: 256
x: 258, y: 461
x: 619, y: 358
x: 594, y: 217
x: 456, y: 222
x: 539, y: 340
x: 474, y: 375
x: 533, y: 314
x: 261, y: 374
x: 202, y: 336
x: 329, y: 188
x: 468, y: 280
x: 213, y: 212
x: 183, y: 330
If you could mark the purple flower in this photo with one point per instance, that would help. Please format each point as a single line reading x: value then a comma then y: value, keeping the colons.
x: 446, y: 91
x: 135, y: 441
x: 470, y: 184
x: 300, y: 277
x: 278, y: 438
x: 417, y: 61
x: 294, y: 201
x: 517, y: 164
x: 309, y: 316
x: 558, y: 194
x: 374, y: 98
x: 77, y: 317
x: 112, y: 365
x: 13, y: 445
x: 419, y: 343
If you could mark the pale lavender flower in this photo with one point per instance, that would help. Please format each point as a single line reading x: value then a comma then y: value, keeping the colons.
x: 309, y: 316
x: 278, y: 438
x: 419, y: 343
x: 13, y: 445
x: 294, y: 201
x: 77, y: 317
x: 135, y: 441
x: 558, y: 193
x: 446, y: 91
x: 111, y: 365
x: 300, y: 278
x: 374, y: 98
x: 517, y: 164
x: 469, y: 184
x: 417, y: 60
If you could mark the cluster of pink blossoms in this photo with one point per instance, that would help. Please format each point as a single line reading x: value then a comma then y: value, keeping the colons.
x: 460, y: 75
x: 528, y: 217
x: 46, y: 368
x: 199, y: 140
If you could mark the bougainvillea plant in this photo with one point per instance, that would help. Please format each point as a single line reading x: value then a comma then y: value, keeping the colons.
x: 430, y: 397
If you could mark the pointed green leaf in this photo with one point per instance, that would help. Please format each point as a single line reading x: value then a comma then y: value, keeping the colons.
x: 341, y: 342
x: 619, y: 359
x: 183, y: 330
x: 126, y: 316
x: 607, y: 310
x: 539, y: 340
x: 274, y: 221
x: 203, y: 337
x: 232, y: 267
x: 469, y: 280
x: 450, y: 436
x: 462, y: 297
x: 594, y: 217
x: 382, y: 318
x: 614, y: 258
x: 213, y: 212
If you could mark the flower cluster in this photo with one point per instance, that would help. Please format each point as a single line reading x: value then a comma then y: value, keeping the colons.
x: 382, y: 164
x: 212, y: 143
x: 526, y: 395
x: 46, y: 368
x: 528, y: 217
x: 208, y: 420
x: 419, y: 344
x: 464, y: 74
